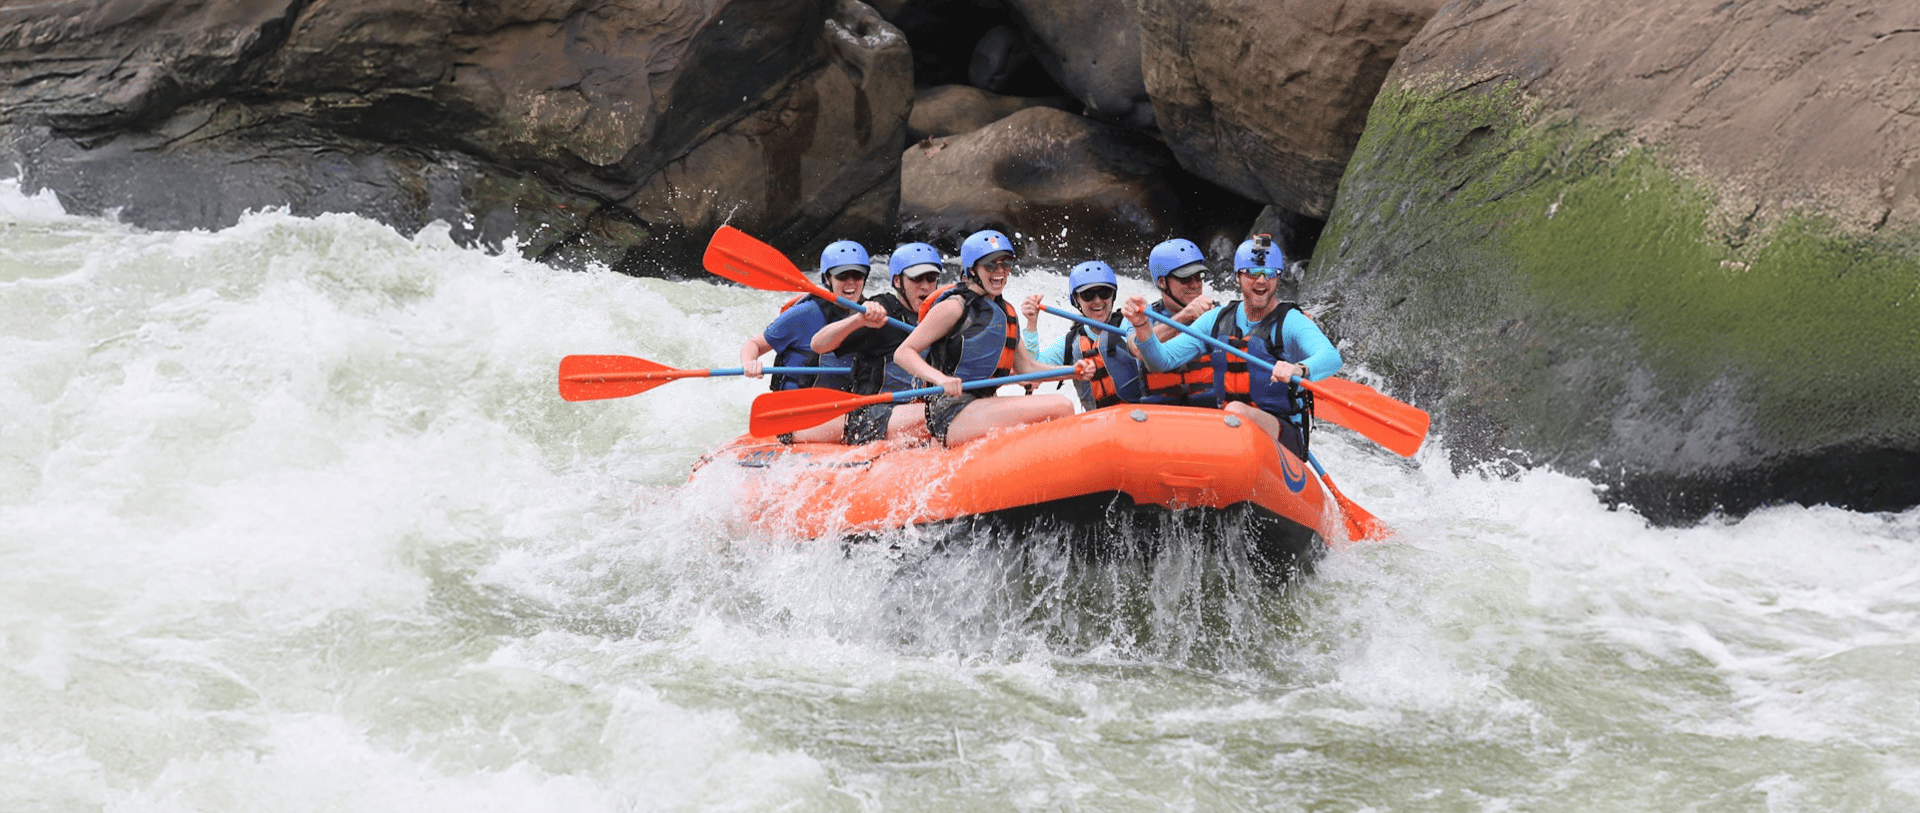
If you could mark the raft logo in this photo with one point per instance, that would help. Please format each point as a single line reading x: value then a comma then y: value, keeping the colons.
x: 1296, y: 480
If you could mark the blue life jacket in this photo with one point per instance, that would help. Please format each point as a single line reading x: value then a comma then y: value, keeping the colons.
x: 981, y: 344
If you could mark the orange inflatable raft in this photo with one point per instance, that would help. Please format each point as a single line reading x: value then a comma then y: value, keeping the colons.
x: 1108, y: 476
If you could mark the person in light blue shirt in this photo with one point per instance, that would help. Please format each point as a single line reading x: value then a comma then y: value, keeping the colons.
x: 1117, y: 375
x: 1268, y: 328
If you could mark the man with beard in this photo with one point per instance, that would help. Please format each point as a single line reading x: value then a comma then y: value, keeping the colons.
x: 1264, y: 325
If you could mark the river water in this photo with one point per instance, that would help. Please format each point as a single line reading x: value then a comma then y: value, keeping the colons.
x: 293, y: 519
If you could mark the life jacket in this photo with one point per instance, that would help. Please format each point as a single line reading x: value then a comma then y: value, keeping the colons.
x: 802, y: 355
x: 872, y: 361
x: 1190, y: 385
x: 1233, y: 381
x: 1116, y: 373
x: 981, y: 344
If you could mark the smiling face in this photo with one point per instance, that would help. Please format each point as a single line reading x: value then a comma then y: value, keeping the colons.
x: 1095, y: 301
x: 992, y: 272
x: 1178, y: 292
x: 850, y: 283
x: 915, y: 289
x: 1260, y: 290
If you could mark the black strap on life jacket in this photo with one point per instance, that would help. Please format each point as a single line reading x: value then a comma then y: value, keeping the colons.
x: 945, y: 352
x: 869, y: 361
x: 1238, y: 383
x: 1105, y: 392
x: 1187, y: 385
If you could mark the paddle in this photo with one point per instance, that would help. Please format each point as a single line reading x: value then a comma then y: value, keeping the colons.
x: 777, y: 413
x: 1360, y: 524
x: 740, y: 257
x: 1399, y: 427
x: 588, y: 378
x: 1329, y: 408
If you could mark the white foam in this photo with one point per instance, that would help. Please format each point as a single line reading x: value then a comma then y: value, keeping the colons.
x: 292, y: 517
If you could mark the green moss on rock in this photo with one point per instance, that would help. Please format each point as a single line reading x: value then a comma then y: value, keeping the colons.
x: 1566, y: 286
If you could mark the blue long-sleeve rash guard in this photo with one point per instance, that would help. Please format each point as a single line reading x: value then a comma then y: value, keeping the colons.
x: 1054, y: 354
x: 1305, y: 344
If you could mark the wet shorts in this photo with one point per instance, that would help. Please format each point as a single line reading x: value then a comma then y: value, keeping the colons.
x: 942, y: 409
x: 867, y: 424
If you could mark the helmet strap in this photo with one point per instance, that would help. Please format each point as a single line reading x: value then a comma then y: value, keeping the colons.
x: 1166, y: 290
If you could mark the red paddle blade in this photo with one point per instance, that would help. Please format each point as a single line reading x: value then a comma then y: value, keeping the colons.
x: 1361, y: 525
x: 1401, y: 428
x: 740, y: 257
x: 588, y: 378
x: 777, y: 413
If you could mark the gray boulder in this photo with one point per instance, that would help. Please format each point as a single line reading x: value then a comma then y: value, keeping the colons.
x: 1267, y: 99
x: 564, y: 123
x: 947, y: 110
x: 1666, y: 244
x: 1069, y: 185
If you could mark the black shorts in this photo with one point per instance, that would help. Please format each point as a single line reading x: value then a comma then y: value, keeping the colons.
x: 867, y: 424
x: 1292, y: 439
x: 942, y: 409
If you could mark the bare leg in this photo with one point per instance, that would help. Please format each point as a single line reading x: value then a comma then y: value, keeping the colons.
x: 1267, y: 423
x: 833, y: 431
x: 908, y: 421
x: 988, y: 414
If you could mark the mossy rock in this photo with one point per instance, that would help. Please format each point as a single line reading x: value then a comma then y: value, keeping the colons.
x: 1559, y: 293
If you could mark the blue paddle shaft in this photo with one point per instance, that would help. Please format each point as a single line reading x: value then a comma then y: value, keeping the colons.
x: 784, y: 371
x: 1259, y: 363
x: 859, y: 308
x: 904, y: 396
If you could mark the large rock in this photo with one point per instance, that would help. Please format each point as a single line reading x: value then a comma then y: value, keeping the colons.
x: 803, y: 169
x: 1673, y: 245
x: 1092, y: 48
x: 1267, y: 98
x: 1069, y: 185
x: 947, y: 110
x: 560, y: 122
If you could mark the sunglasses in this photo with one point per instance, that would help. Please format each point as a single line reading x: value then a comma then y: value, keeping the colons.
x: 1099, y: 292
x: 930, y: 276
x: 1260, y: 271
x: 999, y: 263
x: 850, y: 274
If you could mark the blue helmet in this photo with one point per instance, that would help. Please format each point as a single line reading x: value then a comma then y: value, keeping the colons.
x: 843, y: 254
x: 1092, y: 272
x: 983, y: 244
x: 1173, y: 255
x: 909, y: 255
x: 1259, y: 251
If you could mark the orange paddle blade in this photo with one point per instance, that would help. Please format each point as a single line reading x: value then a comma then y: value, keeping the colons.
x: 741, y: 257
x: 1401, y: 428
x: 587, y: 378
x: 1361, y: 525
x: 777, y: 413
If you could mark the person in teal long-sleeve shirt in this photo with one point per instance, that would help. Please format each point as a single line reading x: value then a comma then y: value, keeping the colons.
x: 1268, y: 328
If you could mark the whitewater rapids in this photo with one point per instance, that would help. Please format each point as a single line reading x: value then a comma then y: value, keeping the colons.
x: 292, y: 518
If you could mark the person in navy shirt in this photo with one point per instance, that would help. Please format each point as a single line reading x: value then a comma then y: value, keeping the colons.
x: 843, y: 270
